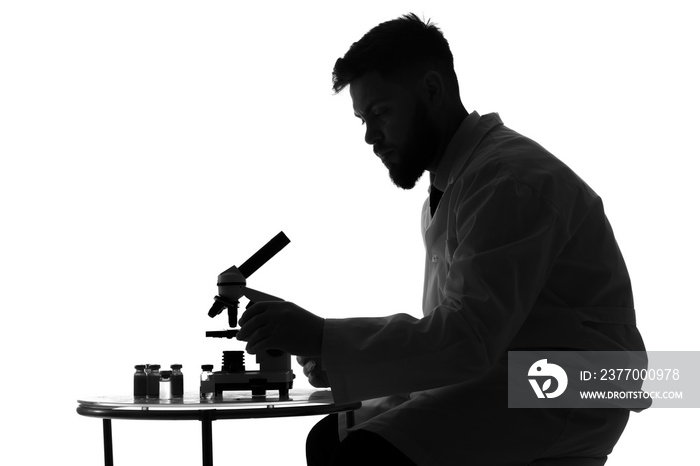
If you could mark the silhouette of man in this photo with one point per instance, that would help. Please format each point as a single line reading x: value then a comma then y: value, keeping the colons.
x: 519, y: 256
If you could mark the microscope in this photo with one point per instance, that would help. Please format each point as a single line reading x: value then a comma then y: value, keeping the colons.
x: 275, y: 366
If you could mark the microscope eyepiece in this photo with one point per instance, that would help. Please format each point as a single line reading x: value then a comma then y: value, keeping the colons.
x: 263, y: 255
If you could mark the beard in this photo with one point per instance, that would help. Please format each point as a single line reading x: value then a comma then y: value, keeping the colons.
x: 417, y: 153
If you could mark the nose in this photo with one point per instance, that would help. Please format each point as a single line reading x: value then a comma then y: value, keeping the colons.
x: 372, y: 135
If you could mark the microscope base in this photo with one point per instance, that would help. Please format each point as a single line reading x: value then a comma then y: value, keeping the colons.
x: 256, y: 381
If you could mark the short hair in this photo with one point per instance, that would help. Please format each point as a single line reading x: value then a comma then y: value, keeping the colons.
x: 400, y: 45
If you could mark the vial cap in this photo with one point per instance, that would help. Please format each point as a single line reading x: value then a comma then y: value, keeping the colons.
x: 140, y: 367
x: 208, y: 367
x: 165, y: 374
x: 176, y: 366
x: 155, y: 366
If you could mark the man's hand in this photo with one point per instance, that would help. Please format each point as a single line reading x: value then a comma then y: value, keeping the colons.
x: 312, y: 370
x: 283, y: 326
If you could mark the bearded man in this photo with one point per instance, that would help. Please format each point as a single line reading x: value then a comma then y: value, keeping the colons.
x: 519, y: 256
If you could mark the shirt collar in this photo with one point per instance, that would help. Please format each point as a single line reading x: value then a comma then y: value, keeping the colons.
x: 470, y: 132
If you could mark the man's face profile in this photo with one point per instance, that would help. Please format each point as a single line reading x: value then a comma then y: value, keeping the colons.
x: 397, y: 126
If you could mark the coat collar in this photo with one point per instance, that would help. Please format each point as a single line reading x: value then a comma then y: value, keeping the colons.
x: 461, y: 147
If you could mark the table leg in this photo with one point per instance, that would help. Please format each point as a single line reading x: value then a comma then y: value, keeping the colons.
x: 350, y: 419
x: 107, y: 434
x: 207, y: 453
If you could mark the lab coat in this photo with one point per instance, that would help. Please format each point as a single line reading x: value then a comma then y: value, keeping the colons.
x: 519, y: 255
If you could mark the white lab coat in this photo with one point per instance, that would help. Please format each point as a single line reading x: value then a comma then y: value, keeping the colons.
x: 519, y: 255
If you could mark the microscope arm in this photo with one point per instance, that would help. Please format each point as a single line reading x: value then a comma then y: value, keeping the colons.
x: 256, y: 296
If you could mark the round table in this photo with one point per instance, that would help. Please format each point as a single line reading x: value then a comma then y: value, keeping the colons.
x: 232, y: 405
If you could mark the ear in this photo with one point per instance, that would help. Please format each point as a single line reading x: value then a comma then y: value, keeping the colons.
x: 433, y: 88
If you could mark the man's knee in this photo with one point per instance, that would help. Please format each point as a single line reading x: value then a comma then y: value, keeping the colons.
x: 322, y: 441
x: 367, y: 448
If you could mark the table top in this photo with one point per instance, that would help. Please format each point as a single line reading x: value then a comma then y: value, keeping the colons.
x: 230, y: 405
x: 232, y: 399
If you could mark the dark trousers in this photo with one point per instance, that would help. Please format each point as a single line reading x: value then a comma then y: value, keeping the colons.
x: 585, y: 438
x: 324, y: 448
x: 479, y: 429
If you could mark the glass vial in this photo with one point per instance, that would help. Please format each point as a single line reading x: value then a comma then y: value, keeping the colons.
x: 177, y: 381
x: 165, y: 385
x: 140, y: 381
x: 148, y: 373
x: 206, y: 373
x: 154, y: 381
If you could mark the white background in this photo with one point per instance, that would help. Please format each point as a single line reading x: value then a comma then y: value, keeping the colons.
x: 147, y: 146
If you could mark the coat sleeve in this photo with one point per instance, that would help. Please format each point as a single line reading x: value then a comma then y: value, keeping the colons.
x: 501, y: 244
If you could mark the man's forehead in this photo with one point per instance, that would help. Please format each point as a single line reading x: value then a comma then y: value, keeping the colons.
x: 369, y: 89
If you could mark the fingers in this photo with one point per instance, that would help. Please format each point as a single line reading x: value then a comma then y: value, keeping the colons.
x: 308, y: 364
x: 252, y: 325
x: 257, y: 319
x: 255, y: 329
x: 309, y: 368
x: 312, y: 370
x: 281, y: 325
x: 258, y: 345
x: 254, y: 310
x: 319, y: 379
x: 304, y: 362
x: 319, y: 382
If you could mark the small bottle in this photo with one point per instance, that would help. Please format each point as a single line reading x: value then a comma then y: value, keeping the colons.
x: 154, y: 381
x: 140, y: 381
x: 206, y: 373
x: 165, y: 385
x: 177, y: 381
x: 148, y: 372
